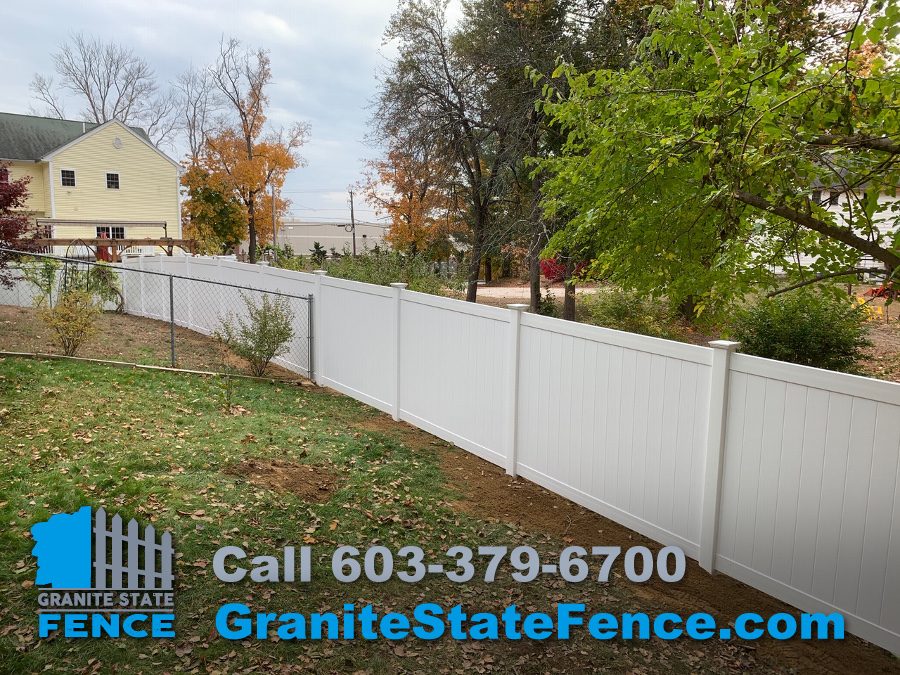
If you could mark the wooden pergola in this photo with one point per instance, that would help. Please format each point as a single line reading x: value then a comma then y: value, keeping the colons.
x: 116, y: 247
x: 107, y: 248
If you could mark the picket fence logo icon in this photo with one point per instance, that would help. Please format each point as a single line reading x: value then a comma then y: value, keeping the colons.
x: 103, y: 579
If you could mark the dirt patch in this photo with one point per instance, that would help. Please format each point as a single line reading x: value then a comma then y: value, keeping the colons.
x: 883, y: 357
x: 384, y: 424
x: 132, y: 339
x: 312, y: 483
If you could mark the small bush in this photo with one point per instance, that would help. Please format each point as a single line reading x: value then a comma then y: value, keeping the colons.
x: 386, y: 267
x: 626, y: 311
x: 72, y: 320
x: 42, y: 274
x: 810, y: 328
x: 297, y: 263
x: 263, y: 335
x: 548, y: 306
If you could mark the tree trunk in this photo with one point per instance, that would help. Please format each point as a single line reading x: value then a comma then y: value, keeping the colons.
x: 537, y: 238
x: 251, y: 226
x: 569, y: 297
x: 488, y: 270
x: 475, y: 263
x: 506, y: 267
x: 687, y: 307
x: 534, y: 268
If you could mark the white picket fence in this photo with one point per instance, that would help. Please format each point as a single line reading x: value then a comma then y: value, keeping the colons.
x: 118, y: 560
x: 782, y: 476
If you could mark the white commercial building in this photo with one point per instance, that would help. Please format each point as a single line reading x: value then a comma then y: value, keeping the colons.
x: 301, y: 234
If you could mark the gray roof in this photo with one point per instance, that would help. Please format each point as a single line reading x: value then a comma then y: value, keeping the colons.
x: 27, y: 137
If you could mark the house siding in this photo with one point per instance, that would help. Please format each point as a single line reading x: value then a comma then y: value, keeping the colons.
x: 148, y: 185
x: 38, y: 201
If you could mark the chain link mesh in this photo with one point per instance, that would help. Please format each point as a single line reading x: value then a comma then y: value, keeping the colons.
x: 148, y: 316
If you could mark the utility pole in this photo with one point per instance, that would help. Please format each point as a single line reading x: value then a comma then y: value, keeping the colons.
x: 352, y: 223
x: 274, y: 242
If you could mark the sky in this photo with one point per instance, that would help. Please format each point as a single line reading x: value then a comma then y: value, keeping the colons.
x: 325, y: 55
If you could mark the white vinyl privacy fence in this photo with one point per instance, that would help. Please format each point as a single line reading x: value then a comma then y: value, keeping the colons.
x: 782, y: 476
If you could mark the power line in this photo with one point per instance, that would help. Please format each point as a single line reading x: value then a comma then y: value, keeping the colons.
x: 312, y: 208
x: 336, y: 222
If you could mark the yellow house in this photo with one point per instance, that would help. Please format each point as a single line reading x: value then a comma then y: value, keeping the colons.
x: 92, y: 180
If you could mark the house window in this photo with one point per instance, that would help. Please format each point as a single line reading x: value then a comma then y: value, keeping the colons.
x: 4, y: 175
x: 68, y: 177
x: 834, y: 198
x: 112, y: 181
x: 817, y: 196
x: 110, y: 232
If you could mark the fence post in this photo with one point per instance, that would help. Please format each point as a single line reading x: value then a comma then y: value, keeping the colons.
x: 398, y: 289
x: 141, y: 282
x: 189, y: 295
x: 220, y: 316
x: 319, y: 343
x: 512, y: 387
x: 715, y: 449
x: 172, y: 316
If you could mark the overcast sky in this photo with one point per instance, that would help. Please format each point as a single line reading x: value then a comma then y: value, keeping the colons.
x: 325, y: 54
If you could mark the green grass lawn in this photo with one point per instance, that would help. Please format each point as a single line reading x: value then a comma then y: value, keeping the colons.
x: 166, y: 448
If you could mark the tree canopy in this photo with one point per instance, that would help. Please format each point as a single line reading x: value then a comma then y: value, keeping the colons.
x: 693, y: 173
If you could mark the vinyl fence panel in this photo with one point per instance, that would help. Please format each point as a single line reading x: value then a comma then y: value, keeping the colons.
x: 810, y: 508
x: 453, y: 369
x: 355, y: 353
x: 614, y: 425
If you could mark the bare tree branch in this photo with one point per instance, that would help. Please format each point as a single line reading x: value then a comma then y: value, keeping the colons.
x: 111, y: 83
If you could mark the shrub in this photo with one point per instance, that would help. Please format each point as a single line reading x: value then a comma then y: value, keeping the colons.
x: 806, y: 327
x: 72, y: 320
x: 554, y: 269
x: 297, y: 263
x: 317, y: 254
x: 100, y: 281
x: 263, y: 335
x: 386, y: 267
x: 42, y: 274
x: 547, y: 306
x: 627, y: 311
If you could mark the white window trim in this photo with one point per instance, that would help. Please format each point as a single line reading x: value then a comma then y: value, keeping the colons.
x: 111, y: 228
x: 118, y: 173
x: 74, y: 172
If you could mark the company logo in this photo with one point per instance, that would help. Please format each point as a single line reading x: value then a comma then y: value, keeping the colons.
x: 103, y: 579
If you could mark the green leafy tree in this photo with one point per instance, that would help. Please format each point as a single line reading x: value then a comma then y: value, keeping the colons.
x: 213, y: 216
x: 692, y: 174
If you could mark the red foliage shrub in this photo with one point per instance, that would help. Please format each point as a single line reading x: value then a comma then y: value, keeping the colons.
x: 554, y: 269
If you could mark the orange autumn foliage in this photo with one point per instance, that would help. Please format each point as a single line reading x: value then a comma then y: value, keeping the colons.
x: 250, y: 176
x: 418, y: 195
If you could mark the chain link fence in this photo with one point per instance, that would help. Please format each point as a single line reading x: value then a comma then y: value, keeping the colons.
x: 155, y: 318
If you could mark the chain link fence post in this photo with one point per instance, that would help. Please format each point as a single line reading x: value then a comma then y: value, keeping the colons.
x: 172, y: 316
